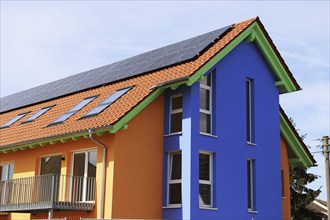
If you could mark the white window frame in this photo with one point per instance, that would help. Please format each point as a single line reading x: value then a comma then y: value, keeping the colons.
x: 169, y: 181
x: 204, y: 111
x: 251, y: 190
x: 7, y: 170
x: 85, y: 172
x: 249, y: 133
x: 207, y: 182
x: 176, y: 111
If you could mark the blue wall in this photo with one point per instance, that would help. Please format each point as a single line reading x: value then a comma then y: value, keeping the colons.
x: 230, y: 148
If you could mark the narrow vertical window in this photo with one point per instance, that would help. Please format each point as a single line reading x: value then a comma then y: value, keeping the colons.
x: 205, y: 105
x: 6, y: 185
x: 205, y: 180
x: 176, y: 114
x: 174, y: 179
x: 251, y: 184
x: 282, y: 182
x: 249, y: 111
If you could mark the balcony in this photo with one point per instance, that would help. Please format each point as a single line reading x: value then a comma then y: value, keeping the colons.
x: 47, y: 192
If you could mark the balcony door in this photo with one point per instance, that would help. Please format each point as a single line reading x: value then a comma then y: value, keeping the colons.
x: 83, y: 176
x: 6, y: 184
x: 49, y: 179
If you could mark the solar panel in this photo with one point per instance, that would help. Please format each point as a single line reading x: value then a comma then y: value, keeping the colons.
x: 107, y: 102
x: 12, y: 121
x: 38, y: 114
x: 140, y: 64
x: 73, y: 110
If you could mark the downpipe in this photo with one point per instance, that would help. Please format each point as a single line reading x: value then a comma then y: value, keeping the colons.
x: 90, y: 135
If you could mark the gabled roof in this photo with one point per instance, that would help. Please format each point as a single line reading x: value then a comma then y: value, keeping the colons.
x: 141, y: 64
x: 208, y: 49
x: 302, y: 155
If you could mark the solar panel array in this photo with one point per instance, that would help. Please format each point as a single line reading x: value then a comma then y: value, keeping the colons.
x: 145, y: 62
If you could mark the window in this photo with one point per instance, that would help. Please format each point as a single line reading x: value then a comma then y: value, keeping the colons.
x: 174, y: 179
x: 50, y: 165
x: 205, y: 179
x: 12, y: 121
x: 251, y: 184
x: 38, y: 114
x: 176, y: 114
x: 83, y: 176
x: 205, y: 105
x: 73, y: 110
x: 282, y: 183
x: 107, y: 102
x: 6, y: 171
x: 249, y: 111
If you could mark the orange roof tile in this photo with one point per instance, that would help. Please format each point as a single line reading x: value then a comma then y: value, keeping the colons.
x: 18, y: 133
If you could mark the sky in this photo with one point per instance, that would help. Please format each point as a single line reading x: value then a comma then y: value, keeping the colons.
x: 42, y: 41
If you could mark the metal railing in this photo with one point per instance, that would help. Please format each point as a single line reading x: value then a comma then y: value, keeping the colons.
x: 50, y: 191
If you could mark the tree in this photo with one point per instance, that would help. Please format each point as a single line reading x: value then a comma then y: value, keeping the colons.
x: 301, y: 196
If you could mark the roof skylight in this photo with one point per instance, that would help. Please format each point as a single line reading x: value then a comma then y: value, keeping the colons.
x: 73, y: 110
x: 38, y: 114
x: 107, y: 102
x: 12, y: 121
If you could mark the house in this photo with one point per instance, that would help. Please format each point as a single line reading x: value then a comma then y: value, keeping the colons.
x: 319, y: 209
x: 192, y: 130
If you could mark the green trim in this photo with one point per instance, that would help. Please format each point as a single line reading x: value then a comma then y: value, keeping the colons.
x: 123, y: 121
x: 295, y: 145
x: 252, y: 34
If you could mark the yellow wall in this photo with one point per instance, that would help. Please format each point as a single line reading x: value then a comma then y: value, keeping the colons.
x: 286, y: 204
x: 133, y: 168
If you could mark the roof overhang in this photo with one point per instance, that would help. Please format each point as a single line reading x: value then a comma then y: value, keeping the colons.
x: 295, y: 143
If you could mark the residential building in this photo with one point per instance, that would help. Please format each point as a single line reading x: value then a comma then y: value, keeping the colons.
x: 192, y: 130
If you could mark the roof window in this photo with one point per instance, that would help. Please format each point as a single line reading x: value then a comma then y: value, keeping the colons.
x: 73, y: 110
x: 36, y: 115
x: 107, y: 102
x: 12, y: 121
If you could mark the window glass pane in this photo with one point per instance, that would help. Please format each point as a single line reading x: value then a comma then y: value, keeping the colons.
x: 176, y: 122
x: 175, y: 193
x: 36, y: 115
x: 10, y: 171
x: 205, y: 123
x: 204, y: 194
x: 97, y: 110
x: 204, y: 101
x: 92, y: 164
x: 3, y: 172
x: 51, y: 165
x: 81, y: 104
x: 207, y: 80
x: 204, y: 167
x: 248, y: 110
x: 177, y: 102
x: 79, y: 164
x: 63, y: 117
x: 176, y: 166
x: 12, y: 121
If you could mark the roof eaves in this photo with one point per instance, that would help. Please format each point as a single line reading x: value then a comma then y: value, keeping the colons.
x: 54, y: 139
x: 294, y: 141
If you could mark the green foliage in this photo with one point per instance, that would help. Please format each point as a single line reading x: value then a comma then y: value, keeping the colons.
x: 301, y: 196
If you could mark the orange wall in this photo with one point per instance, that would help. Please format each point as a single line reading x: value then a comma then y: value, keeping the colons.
x: 133, y: 167
x: 286, y: 205
x: 138, y: 165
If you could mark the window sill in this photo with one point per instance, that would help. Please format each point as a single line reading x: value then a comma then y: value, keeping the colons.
x: 207, y: 134
x: 252, y: 144
x: 252, y: 211
x: 172, y: 206
x: 208, y: 208
x: 173, y: 134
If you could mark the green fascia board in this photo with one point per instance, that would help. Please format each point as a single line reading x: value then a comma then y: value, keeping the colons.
x: 253, y: 34
x: 294, y: 144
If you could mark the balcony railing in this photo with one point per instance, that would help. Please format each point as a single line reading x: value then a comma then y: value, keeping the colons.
x: 46, y: 192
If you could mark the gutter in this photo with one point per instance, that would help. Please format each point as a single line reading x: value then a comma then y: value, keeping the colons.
x: 90, y: 135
